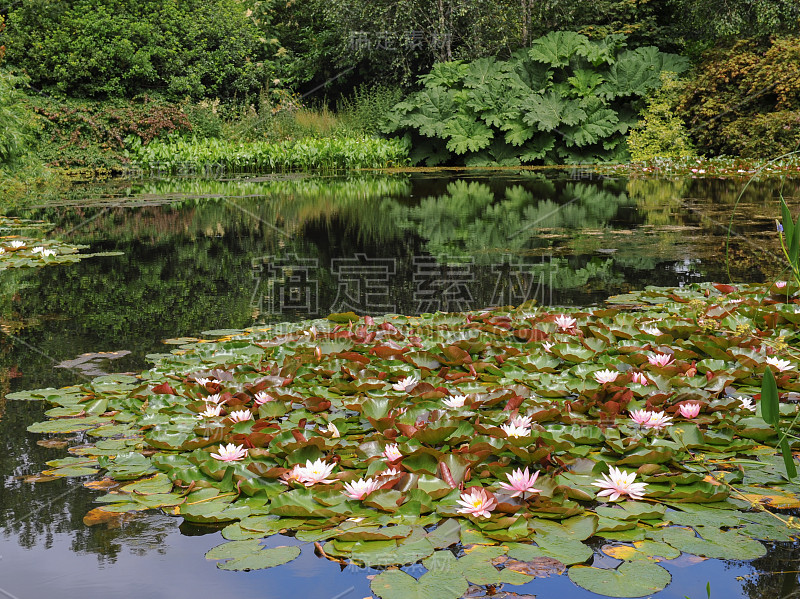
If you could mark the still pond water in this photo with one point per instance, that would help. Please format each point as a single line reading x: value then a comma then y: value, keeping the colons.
x: 213, y: 254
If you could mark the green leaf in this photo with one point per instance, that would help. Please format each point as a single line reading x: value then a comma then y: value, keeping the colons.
x: 395, y: 584
x: 467, y: 135
x: 550, y: 110
x: 630, y: 579
x: 250, y: 555
x: 558, y: 47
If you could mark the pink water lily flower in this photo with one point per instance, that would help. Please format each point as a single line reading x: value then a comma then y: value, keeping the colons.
x: 293, y: 474
x: 617, y: 483
x: 547, y: 346
x: 689, y: 410
x: 521, y: 482
x: 565, y: 322
x: 406, y: 384
x: 780, y: 284
x: 392, y: 453
x: 240, y: 415
x: 638, y: 377
x: 641, y: 417
x: 361, y: 488
x: 516, y: 431
x: 391, y: 472
x: 477, y: 503
x: 457, y: 401
x: 605, y: 376
x: 660, y: 359
x: 230, y: 453
x: 521, y: 421
x: 316, y: 472
x: 781, y: 365
x: 262, y: 397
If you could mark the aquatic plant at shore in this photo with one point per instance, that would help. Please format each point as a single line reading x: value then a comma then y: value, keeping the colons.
x: 182, y: 155
x: 440, y: 475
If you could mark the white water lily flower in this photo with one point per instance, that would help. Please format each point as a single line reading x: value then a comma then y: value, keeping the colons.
x: 747, y: 404
x: 516, y: 431
x: 331, y: 428
x: 316, y: 472
x: 16, y: 244
x: 457, y: 401
x: 617, y: 483
x: 240, y: 415
x: 406, y: 384
x: 606, y: 376
x: 781, y: 365
x: 211, y: 411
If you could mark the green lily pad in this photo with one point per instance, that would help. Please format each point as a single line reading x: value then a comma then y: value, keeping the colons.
x: 630, y: 579
x: 395, y: 584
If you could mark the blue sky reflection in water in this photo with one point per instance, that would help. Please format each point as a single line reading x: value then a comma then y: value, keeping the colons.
x: 202, y: 255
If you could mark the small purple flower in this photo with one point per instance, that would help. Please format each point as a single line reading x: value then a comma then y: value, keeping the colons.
x: 780, y: 227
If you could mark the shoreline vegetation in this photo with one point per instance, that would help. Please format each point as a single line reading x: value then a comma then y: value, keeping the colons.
x: 635, y: 92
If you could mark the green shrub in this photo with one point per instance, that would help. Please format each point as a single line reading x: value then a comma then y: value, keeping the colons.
x: 566, y: 99
x: 111, y: 48
x: 660, y: 132
x: 89, y: 134
x: 205, y: 118
x: 744, y: 99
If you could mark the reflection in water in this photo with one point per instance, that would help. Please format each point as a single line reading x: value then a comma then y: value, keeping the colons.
x: 202, y: 255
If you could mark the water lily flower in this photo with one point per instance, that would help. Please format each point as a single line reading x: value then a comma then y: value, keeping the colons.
x: 361, y: 488
x: 641, y: 417
x: 203, y: 381
x: 16, y: 244
x: 660, y: 359
x: 391, y: 472
x: 605, y: 376
x: 37, y: 249
x: 521, y: 421
x: 521, y: 482
x: 477, y: 503
x: 316, y: 472
x: 407, y: 383
x: 658, y: 420
x: 240, y: 415
x: 331, y: 428
x: 781, y: 365
x: 780, y: 284
x: 565, y: 322
x: 293, y: 474
x: 215, y: 398
x: 392, y: 453
x: 516, y: 431
x: 211, y: 411
x: 638, y: 377
x: 654, y: 331
x: 47, y: 253
x: 689, y: 410
x: 262, y: 397
x: 547, y: 346
x: 457, y: 401
x: 230, y: 453
x: 618, y: 483
x: 747, y: 404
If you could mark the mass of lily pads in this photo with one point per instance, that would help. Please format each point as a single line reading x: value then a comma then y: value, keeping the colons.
x: 31, y: 249
x: 490, y: 446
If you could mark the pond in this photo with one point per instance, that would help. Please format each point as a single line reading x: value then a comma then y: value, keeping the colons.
x: 199, y: 255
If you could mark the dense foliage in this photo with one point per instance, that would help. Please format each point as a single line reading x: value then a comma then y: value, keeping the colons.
x: 196, y: 156
x: 566, y: 99
x: 101, y: 48
x: 745, y: 99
